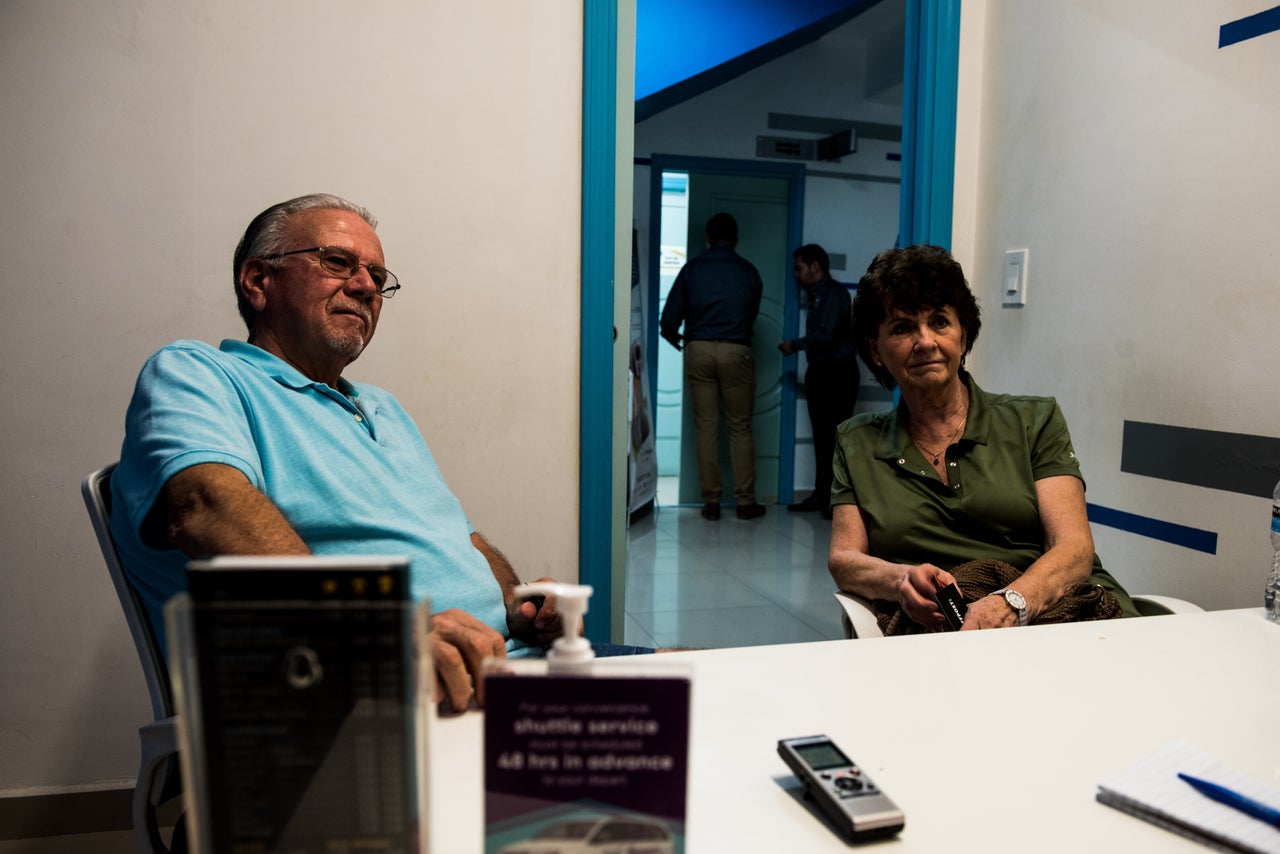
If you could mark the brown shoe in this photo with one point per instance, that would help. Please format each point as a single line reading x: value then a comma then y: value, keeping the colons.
x: 711, y: 511
x: 750, y: 511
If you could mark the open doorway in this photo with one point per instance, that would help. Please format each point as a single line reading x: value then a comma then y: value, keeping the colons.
x: 766, y: 200
x: 846, y: 79
x: 673, y: 252
x: 854, y: 73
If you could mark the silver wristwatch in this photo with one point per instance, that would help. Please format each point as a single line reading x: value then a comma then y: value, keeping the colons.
x: 1016, y: 602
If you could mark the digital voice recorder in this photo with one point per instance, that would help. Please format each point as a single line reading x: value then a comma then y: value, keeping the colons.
x: 845, y: 793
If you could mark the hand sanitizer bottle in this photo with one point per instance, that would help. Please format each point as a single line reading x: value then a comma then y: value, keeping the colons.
x: 571, y: 650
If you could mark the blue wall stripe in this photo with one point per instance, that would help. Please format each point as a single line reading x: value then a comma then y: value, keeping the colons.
x: 1249, y: 28
x: 595, y: 424
x: 1156, y: 529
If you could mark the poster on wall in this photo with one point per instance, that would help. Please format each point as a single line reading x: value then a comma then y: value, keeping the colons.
x: 642, y: 458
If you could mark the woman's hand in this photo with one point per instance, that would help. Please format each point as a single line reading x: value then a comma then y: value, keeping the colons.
x: 917, y: 592
x: 989, y: 612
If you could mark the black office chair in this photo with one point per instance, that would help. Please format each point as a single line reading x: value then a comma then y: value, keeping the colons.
x: 159, y: 780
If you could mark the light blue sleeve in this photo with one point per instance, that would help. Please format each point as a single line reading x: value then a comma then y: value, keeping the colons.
x: 186, y: 410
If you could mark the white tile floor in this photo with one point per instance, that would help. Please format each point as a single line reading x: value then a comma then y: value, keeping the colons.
x: 694, y: 583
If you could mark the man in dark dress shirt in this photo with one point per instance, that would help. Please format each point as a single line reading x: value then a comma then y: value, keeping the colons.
x: 831, y: 381
x: 717, y: 297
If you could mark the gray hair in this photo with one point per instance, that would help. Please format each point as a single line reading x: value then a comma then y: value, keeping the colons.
x: 266, y: 235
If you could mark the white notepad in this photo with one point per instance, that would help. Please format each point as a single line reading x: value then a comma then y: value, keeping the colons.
x: 1152, y: 791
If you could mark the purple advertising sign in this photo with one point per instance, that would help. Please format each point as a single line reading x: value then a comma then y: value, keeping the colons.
x: 585, y: 761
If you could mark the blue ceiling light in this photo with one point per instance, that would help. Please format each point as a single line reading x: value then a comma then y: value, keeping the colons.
x: 684, y: 47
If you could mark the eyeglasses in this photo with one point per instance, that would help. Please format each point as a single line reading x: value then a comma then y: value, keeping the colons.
x: 338, y: 262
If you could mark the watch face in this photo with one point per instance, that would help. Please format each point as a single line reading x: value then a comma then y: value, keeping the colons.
x: 1014, y: 598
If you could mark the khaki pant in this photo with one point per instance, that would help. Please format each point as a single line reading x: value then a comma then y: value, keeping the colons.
x: 718, y: 371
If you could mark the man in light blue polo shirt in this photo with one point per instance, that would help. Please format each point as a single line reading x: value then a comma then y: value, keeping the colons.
x: 263, y: 448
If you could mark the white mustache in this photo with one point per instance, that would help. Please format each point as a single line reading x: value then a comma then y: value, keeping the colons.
x: 364, y: 313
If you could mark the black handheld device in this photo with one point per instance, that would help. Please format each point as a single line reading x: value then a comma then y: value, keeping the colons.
x: 952, y: 605
x: 846, y: 794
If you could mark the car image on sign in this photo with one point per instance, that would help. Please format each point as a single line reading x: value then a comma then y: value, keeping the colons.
x: 614, y: 834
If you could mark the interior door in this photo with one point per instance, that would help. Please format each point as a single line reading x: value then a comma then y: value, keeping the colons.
x: 761, y: 206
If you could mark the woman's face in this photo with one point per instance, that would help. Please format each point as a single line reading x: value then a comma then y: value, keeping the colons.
x: 921, y: 351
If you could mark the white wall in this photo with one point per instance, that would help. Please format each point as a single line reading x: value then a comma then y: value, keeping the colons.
x: 139, y: 138
x: 1137, y: 162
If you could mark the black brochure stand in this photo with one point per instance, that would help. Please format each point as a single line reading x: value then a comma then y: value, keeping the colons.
x: 299, y: 723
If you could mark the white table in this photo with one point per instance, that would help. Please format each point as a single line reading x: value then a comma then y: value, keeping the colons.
x: 988, y: 741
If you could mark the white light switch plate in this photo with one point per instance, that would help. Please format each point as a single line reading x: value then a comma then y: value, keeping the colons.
x: 1014, y: 282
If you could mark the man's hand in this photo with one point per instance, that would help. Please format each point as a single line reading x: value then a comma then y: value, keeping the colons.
x: 533, y: 621
x: 788, y: 347
x: 917, y: 592
x: 989, y: 612
x: 459, y: 643
x: 674, y: 339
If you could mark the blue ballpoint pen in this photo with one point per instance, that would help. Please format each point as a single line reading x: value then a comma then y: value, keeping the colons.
x: 1235, y: 800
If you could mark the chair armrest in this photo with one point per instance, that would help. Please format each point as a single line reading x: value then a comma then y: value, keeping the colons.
x: 1150, y: 605
x: 856, y: 616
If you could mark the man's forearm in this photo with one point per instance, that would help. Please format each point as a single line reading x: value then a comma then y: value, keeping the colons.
x: 212, y: 509
x: 499, y: 566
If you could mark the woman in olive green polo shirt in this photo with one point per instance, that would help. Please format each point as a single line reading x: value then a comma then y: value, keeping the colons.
x: 952, y: 474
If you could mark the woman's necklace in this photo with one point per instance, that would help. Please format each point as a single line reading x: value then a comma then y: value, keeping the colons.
x: 937, y: 455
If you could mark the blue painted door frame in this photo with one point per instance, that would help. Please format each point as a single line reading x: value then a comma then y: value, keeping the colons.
x: 931, y: 58
x: 596, y: 489
x: 928, y: 171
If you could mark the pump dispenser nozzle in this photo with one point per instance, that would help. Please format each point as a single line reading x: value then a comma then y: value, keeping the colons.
x: 571, y: 648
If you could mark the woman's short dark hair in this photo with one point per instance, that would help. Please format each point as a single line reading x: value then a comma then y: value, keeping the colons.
x: 912, y: 279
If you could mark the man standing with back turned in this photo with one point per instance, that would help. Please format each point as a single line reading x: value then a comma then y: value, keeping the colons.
x: 717, y: 297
